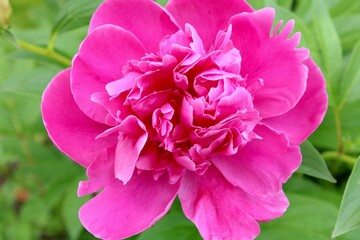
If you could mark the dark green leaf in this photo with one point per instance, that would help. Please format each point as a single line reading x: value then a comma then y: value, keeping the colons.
x: 313, y: 164
x: 349, y: 214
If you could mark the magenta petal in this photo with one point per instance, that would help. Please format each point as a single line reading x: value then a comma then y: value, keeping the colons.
x: 121, y: 211
x: 207, y: 17
x: 306, y: 116
x: 132, y: 138
x: 69, y: 128
x: 271, y: 58
x: 262, y: 165
x: 222, y: 211
x: 100, y: 60
x: 144, y: 18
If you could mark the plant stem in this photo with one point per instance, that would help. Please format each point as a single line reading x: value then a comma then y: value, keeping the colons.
x: 332, y: 155
x: 51, y: 44
x: 338, y: 130
x: 49, y: 53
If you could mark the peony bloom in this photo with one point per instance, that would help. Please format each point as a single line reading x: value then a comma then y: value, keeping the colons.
x: 203, y: 100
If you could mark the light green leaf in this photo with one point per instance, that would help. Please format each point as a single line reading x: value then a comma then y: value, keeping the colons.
x: 8, y: 36
x: 307, y: 218
x: 162, y: 2
x: 350, y: 84
x: 349, y: 214
x: 75, y: 14
x: 343, y: 7
x: 348, y: 27
x: 174, y: 226
x: 329, y: 45
x: 313, y: 164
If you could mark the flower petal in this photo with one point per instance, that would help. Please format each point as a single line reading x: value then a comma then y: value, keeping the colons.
x: 68, y: 127
x: 100, y: 60
x: 274, y: 59
x: 306, y: 116
x: 144, y: 18
x: 121, y: 211
x: 262, y: 165
x: 207, y: 17
x: 132, y: 138
x: 222, y: 211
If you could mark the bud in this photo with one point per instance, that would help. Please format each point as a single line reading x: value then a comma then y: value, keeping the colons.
x: 5, y: 11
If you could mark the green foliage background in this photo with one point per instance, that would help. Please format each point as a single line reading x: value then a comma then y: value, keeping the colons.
x: 38, y: 184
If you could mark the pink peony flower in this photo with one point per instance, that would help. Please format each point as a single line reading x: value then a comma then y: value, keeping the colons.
x: 203, y: 100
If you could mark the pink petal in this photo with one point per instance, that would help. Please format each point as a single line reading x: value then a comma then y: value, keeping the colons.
x: 306, y: 116
x: 222, y: 211
x: 100, y: 60
x: 100, y: 173
x: 144, y: 18
x: 207, y: 17
x: 262, y: 165
x: 132, y: 138
x: 68, y: 127
x: 121, y: 211
x: 274, y: 59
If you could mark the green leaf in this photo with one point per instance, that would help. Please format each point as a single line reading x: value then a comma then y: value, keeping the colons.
x: 324, y: 136
x: 70, y: 209
x: 349, y: 214
x: 74, y: 14
x: 162, y: 2
x: 350, y: 84
x: 343, y: 7
x: 307, y: 218
x: 348, y: 27
x: 329, y: 45
x: 8, y: 36
x: 174, y: 226
x: 313, y: 164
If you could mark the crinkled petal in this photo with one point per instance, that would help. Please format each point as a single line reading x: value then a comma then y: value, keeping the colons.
x: 207, y: 17
x: 121, y: 211
x: 262, y: 165
x: 306, y: 116
x: 100, y: 60
x: 274, y: 59
x: 68, y: 127
x: 222, y: 211
x: 144, y: 18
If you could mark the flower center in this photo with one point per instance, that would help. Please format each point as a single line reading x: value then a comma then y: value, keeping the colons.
x: 193, y: 103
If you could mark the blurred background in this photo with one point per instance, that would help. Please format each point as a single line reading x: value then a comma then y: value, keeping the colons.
x: 38, y: 184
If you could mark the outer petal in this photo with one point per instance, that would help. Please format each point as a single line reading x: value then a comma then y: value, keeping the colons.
x: 69, y: 128
x: 121, y: 211
x: 262, y: 165
x: 144, y: 18
x: 207, y: 17
x: 222, y: 211
x: 306, y: 116
x: 274, y: 59
x: 100, y: 60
